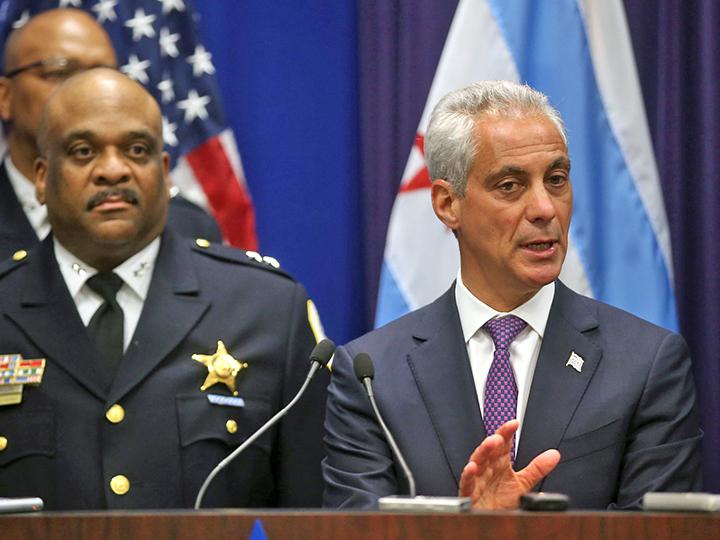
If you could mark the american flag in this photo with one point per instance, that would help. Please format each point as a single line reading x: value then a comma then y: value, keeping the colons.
x: 158, y: 45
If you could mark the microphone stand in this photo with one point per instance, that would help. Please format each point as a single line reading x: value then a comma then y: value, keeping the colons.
x: 364, y: 371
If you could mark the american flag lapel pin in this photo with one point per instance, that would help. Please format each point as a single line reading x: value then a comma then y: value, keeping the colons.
x: 575, y: 361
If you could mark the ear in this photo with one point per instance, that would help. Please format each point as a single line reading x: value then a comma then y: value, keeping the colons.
x: 40, y: 179
x: 445, y: 203
x: 5, y: 98
x: 166, y: 171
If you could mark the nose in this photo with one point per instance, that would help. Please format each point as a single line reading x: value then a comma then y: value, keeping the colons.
x: 541, y: 204
x: 111, y: 167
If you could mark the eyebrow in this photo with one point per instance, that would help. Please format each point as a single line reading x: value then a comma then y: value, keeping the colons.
x: 560, y: 163
x: 143, y: 134
x: 75, y: 135
x: 505, y: 171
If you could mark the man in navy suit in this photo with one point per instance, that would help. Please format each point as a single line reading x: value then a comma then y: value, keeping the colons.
x: 36, y: 58
x: 147, y: 387
x: 510, y: 381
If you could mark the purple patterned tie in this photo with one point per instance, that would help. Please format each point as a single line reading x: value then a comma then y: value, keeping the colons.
x: 500, y: 388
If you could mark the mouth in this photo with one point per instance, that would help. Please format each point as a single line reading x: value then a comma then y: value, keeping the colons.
x: 112, y: 199
x: 540, y: 246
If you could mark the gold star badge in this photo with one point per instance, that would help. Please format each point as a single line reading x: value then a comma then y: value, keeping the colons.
x: 222, y: 368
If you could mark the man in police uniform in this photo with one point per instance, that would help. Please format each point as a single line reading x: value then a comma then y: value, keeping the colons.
x: 36, y: 59
x: 201, y: 323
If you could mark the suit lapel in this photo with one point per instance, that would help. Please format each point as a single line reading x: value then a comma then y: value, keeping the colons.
x: 47, y: 315
x: 172, y: 308
x: 442, y: 372
x: 557, y: 388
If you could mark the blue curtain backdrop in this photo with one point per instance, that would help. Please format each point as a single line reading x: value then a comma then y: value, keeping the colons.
x: 288, y: 76
x: 676, y: 49
x: 325, y: 98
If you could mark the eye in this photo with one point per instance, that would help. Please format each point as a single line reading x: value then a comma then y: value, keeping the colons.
x: 508, y: 186
x: 138, y: 150
x: 558, y: 180
x: 82, y: 151
x: 56, y: 75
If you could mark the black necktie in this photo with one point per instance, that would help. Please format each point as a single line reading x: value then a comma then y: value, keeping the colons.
x: 106, y: 325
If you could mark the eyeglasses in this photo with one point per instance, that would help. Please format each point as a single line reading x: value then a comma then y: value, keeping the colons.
x: 53, y: 68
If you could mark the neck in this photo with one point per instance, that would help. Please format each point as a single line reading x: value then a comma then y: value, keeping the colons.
x: 497, y: 297
x: 102, y: 257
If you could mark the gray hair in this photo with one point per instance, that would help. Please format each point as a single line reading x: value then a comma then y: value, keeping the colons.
x: 450, y: 142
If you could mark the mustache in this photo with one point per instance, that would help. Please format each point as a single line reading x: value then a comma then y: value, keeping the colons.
x: 127, y: 195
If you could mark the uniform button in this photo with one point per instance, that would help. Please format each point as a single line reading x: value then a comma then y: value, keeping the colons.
x: 19, y: 255
x: 120, y: 484
x: 115, y: 414
x: 231, y: 426
x: 201, y: 242
x: 3, y: 443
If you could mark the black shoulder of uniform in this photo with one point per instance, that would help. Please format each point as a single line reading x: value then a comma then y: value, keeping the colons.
x: 16, y: 260
x: 239, y: 256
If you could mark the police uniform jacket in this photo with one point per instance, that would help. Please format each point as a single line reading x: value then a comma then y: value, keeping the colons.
x: 82, y: 437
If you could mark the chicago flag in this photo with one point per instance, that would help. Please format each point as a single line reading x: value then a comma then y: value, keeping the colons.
x: 578, y: 53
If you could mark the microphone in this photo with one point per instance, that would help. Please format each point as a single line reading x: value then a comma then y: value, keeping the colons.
x: 319, y: 357
x: 364, y: 371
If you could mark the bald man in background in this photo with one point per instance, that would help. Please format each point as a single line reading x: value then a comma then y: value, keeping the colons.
x: 51, y: 47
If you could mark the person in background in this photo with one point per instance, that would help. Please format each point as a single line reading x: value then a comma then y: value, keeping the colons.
x: 37, y: 57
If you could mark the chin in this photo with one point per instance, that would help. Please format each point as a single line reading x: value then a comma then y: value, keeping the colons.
x: 540, y: 279
x: 116, y: 233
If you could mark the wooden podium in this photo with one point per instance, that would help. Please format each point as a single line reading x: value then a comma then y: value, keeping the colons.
x: 316, y: 525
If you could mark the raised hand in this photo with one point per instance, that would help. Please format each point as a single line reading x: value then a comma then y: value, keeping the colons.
x: 489, y: 479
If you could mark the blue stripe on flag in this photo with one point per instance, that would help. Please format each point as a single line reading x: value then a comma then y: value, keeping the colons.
x: 391, y: 302
x: 610, y: 227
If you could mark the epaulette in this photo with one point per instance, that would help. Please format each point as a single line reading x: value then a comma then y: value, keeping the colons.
x: 231, y: 254
x: 18, y: 259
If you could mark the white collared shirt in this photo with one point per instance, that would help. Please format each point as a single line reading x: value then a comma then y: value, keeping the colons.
x: 524, y: 349
x: 136, y: 273
x: 25, y: 192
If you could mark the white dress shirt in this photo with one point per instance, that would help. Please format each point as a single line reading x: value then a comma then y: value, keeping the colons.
x: 136, y: 273
x: 25, y: 192
x: 524, y: 349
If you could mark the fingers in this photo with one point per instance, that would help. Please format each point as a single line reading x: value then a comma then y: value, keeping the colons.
x: 467, y: 480
x: 539, y: 468
x: 508, y: 429
x: 496, y: 446
x: 491, y: 449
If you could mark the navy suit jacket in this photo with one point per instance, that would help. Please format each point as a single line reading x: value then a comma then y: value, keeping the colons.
x: 61, y: 447
x: 625, y: 424
x: 16, y: 232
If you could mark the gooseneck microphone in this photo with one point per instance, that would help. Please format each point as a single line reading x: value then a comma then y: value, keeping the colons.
x: 364, y: 371
x: 319, y: 357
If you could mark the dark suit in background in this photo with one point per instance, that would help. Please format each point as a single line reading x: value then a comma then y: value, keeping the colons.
x: 16, y: 232
x: 625, y: 424
x: 61, y: 447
